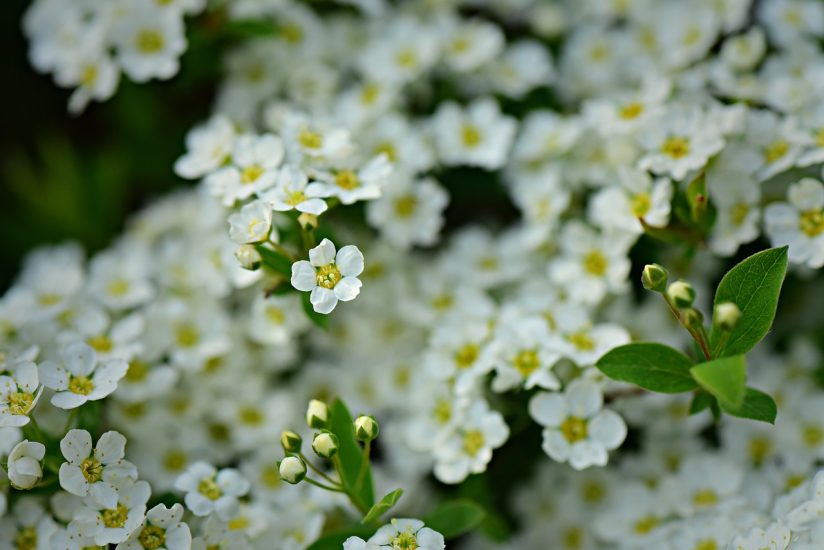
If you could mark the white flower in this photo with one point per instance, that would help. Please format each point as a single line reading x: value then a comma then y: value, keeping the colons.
x: 19, y: 393
x: 638, y: 199
x: 208, y: 490
x: 23, y: 465
x: 525, y: 352
x: 469, y: 449
x: 253, y: 168
x: 163, y: 528
x: 476, y: 136
x: 775, y: 537
x: 79, y: 378
x: 401, y: 534
x: 576, y: 428
x: 328, y: 276
x: 113, y: 525
x: 470, y: 45
x: 678, y: 142
x: 209, y: 146
x: 799, y: 223
x: 252, y: 224
x: 149, y: 41
x: 93, y: 72
x: 351, y: 185
x: 294, y: 192
x: 94, y: 471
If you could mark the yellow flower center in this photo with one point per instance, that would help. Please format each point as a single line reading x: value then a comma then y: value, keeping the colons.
x: 347, y: 179
x: 114, y: 518
x: 310, y: 140
x: 26, y: 538
x: 442, y: 302
x: 294, y: 198
x: 187, y: 336
x: 706, y: 544
x: 812, y: 435
x: 369, y: 93
x: 48, y: 299
x: 738, y: 213
x: 152, y: 537
x: 442, y: 411
x: 328, y: 276
x: 574, y: 429
x: 582, y: 340
x: 471, y: 136
x: 389, y: 150
x: 175, y: 460
x: 405, y: 541
x: 760, y: 448
x: 819, y: 137
x: 137, y: 371
x: 101, y: 343
x: 473, y: 441
x: 291, y: 33
x: 775, y: 151
x: 631, y: 110
x: 250, y: 416
x: 20, y: 402
x: 405, y: 206
x: 811, y: 222
x: 593, y: 492
x: 705, y: 497
x: 270, y: 476
x: 466, y: 355
x: 150, y: 41
x: 239, y: 523
x: 595, y: 263
x: 406, y: 58
x: 646, y: 524
x: 573, y: 538
x: 676, y: 147
x: 250, y: 174
x: 81, y: 385
x: 275, y: 315
x: 118, y: 287
x: 641, y: 204
x: 91, y: 469
x: 209, y: 488
x: 526, y: 362
x: 88, y: 76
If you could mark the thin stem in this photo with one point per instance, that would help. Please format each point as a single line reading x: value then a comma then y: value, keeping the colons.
x: 352, y: 499
x: 323, y: 486
x: 725, y: 335
x: 364, y: 463
x: 698, y: 337
x: 317, y: 470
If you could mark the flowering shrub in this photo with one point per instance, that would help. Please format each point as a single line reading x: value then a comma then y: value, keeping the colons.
x: 484, y: 274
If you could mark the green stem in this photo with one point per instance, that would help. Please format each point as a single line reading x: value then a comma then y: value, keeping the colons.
x: 364, y: 463
x: 725, y: 335
x: 323, y: 486
x: 699, y: 339
x: 317, y: 470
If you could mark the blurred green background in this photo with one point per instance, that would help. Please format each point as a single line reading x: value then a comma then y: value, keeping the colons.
x: 78, y: 177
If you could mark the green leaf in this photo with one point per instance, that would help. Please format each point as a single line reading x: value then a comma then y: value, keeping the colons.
x: 454, y: 518
x: 756, y: 405
x: 700, y: 401
x: 319, y: 319
x: 275, y: 261
x: 753, y: 285
x: 724, y: 378
x: 654, y: 367
x: 383, y: 506
x: 351, y: 457
x: 334, y: 541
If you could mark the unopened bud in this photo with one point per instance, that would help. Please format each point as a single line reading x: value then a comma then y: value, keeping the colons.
x: 248, y: 257
x: 308, y: 221
x: 317, y: 415
x: 693, y: 318
x: 366, y: 428
x: 726, y: 316
x: 325, y: 444
x: 291, y: 441
x: 654, y: 278
x: 292, y: 469
x: 681, y: 294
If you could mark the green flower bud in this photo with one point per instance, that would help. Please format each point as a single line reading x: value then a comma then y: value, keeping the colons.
x: 366, y: 428
x: 317, y: 414
x: 325, y: 444
x: 693, y: 318
x: 681, y: 294
x: 292, y: 469
x: 654, y: 278
x: 726, y: 316
x: 291, y: 441
x: 248, y: 257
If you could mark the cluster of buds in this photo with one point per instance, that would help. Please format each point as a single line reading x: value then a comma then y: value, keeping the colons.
x: 294, y: 467
x: 680, y: 297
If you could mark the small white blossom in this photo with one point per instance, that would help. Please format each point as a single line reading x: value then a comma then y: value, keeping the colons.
x: 329, y: 276
x: 23, y: 464
x: 79, y: 377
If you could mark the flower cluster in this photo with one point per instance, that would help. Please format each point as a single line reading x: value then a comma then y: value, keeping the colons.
x: 602, y: 130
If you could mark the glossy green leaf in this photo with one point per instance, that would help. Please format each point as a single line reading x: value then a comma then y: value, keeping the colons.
x: 700, y: 401
x: 382, y: 506
x: 756, y: 405
x: 351, y: 457
x: 454, y: 518
x: 754, y: 286
x: 275, y: 261
x: 724, y: 378
x: 652, y: 366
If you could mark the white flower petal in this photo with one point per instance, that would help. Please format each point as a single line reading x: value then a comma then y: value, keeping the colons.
x: 347, y: 288
x: 350, y: 261
x: 322, y: 254
x: 304, y: 276
x: 323, y: 300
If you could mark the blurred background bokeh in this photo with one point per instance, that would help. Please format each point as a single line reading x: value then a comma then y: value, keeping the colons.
x: 64, y: 177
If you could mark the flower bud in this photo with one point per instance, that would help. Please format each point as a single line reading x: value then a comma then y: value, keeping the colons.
x: 291, y: 441
x: 681, y: 294
x: 317, y: 415
x: 248, y: 257
x: 654, y: 278
x: 292, y: 469
x: 308, y: 221
x: 23, y: 467
x: 726, y: 315
x: 325, y: 444
x: 366, y: 428
x: 693, y: 318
